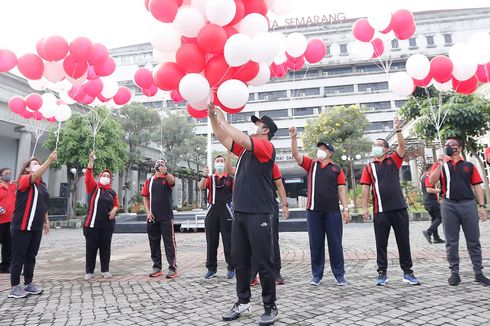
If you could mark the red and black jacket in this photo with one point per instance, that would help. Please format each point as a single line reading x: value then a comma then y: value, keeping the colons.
x: 159, y: 192
x: 101, y: 200
x: 31, y: 204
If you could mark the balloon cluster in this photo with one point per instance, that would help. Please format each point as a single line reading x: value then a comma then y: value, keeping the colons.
x: 40, y: 107
x: 79, y: 71
x: 212, y: 50
x: 465, y: 66
x: 373, y: 33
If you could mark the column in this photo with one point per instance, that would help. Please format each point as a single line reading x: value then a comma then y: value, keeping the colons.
x: 415, y: 173
x: 24, y: 150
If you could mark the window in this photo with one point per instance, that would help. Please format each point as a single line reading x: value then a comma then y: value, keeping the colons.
x: 154, y: 105
x: 275, y: 95
x: 281, y: 133
x: 202, y: 120
x: 303, y: 111
x: 343, y: 49
x: 329, y: 53
x: 344, y: 89
x: 311, y: 73
x: 430, y: 41
x: 338, y: 71
x: 283, y: 113
x: 448, y: 39
x: 172, y: 104
x: 397, y: 66
x: 240, y: 117
x: 373, y: 87
x: 305, y: 92
x: 381, y: 125
x: 251, y: 97
x: 372, y: 106
x: 412, y: 43
x: 369, y: 68
x: 400, y: 103
x: 395, y: 45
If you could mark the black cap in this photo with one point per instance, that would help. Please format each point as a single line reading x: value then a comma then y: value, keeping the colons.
x: 267, y: 121
x: 327, y: 145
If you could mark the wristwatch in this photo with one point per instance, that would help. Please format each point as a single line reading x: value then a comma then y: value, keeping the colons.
x: 286, y: 204
x: 482, y: 206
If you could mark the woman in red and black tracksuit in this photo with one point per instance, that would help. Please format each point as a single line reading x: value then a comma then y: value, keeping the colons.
x: 7, y: 205
x: 98, y: 226
x: 30, y: 217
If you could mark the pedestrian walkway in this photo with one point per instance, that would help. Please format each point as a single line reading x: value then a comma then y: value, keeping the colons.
x: 132, y: 298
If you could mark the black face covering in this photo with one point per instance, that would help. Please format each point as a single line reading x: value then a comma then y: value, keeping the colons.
x: 451, y: 150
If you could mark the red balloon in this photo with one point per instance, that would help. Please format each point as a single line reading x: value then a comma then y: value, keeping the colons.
x: 164, y: 10
x: 17, y: 104
x: 401, y: 20
x: 87, y: 99
x: 239, y: 14
x: 73, y: 67
x: 106, y: 68
x: 362, y: 30
x: 255, y: 6
x: 190, y: 58
x: 31, y: 66
x: 151, y: 91
x: 465, y: 87
x: 188, y: 40
x: 168, y: 76
x: 122, y: 96
x: 247, y: 72
x: 483, y: 73
x: 40, y: 48
x: 212, y: 38
x: 81, y: 47
x: 77, y: 92
x: 175, y: 96
x: 441, y: 68
x: 423, y: 82
x: 279, y: 70
x: 38, y: 116
x: 143, y: 78
x: 91, y: 75
x: 98, y: 54
x: 94, y: 87
x: 230, y: 31
x: 8, y: 60
x: 315, y: 51
x: 217, y: 71
x: 147, y: 5
x: 406, y: 32
x: 198, y: 114
x: 102, y: 98
x: 378, y: 47
x: 55, y: 48
x: 295, y: 63
x: 34, y: 101
x: 26, y: 114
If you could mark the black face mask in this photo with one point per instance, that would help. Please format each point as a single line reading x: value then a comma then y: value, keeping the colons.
x: 451, y: 150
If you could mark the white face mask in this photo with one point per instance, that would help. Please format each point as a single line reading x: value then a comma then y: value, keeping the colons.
x: 104, y: 181
x: 377, y: 151
x: 220, y: 167
x: 321, y: 154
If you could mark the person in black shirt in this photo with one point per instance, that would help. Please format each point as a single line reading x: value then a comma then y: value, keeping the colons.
x: 219, y: 217
x: 253, y: 204
x: 432, y: 206
x: 326, y: 184
x: 29, y: 219
x: 460, y: 181
x: 389, y: 207
x: 98, y: 226
x: 157, y: 198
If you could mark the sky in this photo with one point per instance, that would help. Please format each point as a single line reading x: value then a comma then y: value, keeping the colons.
x: 117, y: 23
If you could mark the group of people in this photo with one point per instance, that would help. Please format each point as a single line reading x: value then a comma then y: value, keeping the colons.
x: 243, y: 207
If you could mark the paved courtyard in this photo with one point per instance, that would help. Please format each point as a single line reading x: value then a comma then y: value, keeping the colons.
x: 132, y: 298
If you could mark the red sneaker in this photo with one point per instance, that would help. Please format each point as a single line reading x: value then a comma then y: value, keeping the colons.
x: 156, y: 273
x: 255, y: 281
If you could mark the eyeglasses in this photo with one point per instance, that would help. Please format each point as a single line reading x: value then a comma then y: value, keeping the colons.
x: 451, y: 145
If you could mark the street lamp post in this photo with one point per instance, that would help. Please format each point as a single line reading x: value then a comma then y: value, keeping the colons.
x: 352, y: 175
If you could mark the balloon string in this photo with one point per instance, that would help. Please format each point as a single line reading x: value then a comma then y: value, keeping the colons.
x: 222, y: 77
x: 58, y: 135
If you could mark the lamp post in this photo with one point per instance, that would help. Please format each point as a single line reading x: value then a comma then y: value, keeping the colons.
x: 350, y: 159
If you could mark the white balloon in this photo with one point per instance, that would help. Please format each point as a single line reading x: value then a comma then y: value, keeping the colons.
x: 270, y: 3
x: 458, y: 51
x: 200, y: 5
x: 64, y: 85
x: 220, y: 12
x: 49, y: 105
x: 362, y: 50
x: 253, y: 24
x: 233, y: 93
x: 380, y: 19
x: 163, y: 56
x: 296, y: 44
x: 282, y: 7
x: 66, y: 98
x: 444, y: 87
x: 189, y: 21
x: 53, y: 71
x: 194, y: 88
x: 401, y: 83
x: 165, y: 38
x: 62, y: 113
x: 202, y: 105
x: 265, y: 47
x: 78, y: 81
x: 280, y: 58
x: 465, y: 68
x: 238, y: 50
x: 110, y: 87
x: 334, y: 49
x: 39, y: 84
x: 480, y: 44
x: 418, y: 66
x: 262, y: 77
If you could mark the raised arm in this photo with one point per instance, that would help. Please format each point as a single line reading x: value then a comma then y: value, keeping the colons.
x: 230, y: 169
x: 436, y: 172
x: 293, y: 132
x: 44, y: 167
x: 232, y: 134
x: 218, y: 131
x: 90, y: 183
x: 401, y: 149
x: 204, y: 180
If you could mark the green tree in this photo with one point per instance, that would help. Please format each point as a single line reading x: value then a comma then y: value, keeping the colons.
x: 196, y: 155
x: 173, y: 137
x: 139, y: 124
x: 76, y: 143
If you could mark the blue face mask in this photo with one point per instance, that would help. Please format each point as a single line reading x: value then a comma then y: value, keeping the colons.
x: 220, y: 167
x: 7, y: 177
x: 377, y: 151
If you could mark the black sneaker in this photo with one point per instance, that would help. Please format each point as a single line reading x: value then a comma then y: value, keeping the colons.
x: 438, y: 240
x: 454, y: 279
x: 269, y: 316
x: 236, y: 311
x: 427, y: 236
x: 482, y: 279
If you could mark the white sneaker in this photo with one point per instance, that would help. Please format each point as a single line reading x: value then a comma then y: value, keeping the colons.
x: 106, y: 275
x: 88, y: 277
x: 236, y: 311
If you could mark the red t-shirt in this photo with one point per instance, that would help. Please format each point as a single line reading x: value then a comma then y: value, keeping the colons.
x: 7, y: 202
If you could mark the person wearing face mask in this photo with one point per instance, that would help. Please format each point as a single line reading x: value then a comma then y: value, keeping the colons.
x: 382, y: 174
x: 7, y: 205
x: 98, y: 226
x: 219, y: 217
x: 29, y: 219
x: 432, y: 206
x: 157, y: 198
x: 326, y: 185
x: 460, y: 182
